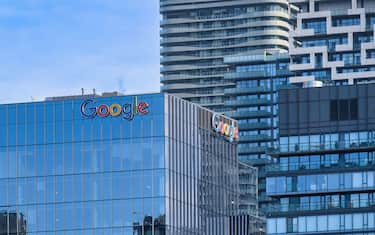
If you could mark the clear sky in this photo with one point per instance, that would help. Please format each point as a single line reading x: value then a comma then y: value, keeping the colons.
x: 57, y: 47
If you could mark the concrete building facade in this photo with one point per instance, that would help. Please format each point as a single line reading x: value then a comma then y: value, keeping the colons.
x: 333, y: 42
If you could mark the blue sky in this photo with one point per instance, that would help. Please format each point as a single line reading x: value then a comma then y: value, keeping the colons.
x: 57, y: 47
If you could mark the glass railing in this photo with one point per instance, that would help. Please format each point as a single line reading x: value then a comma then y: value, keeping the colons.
x: 329, y: 145
x: 314, y: 165
x: 315, y: 206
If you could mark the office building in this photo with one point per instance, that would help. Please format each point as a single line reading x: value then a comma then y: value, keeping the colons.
x: 197, y: 35
x: 146, y: 164
x: 253, y: 101
x: 323, y: 178
x: 333, y: 42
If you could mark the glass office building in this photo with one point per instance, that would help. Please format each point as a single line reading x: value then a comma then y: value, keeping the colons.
x: 323, y: 178
x: 147, y: 164
x: 253, y: 102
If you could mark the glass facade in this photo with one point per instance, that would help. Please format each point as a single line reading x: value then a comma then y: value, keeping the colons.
x: 322, y: 178
x: 63, y: 172
x: 327, y: 141
x: 253, y: 102
x: 322, y: 224
x: 306, y: 187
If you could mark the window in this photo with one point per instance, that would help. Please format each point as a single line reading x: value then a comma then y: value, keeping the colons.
x: 292, y: 225
x: 342, y: 110
x: 353, y: 109
x: 323, y: 223
x: 334, y: 110
x: 357, y: 221
x: 333, y: 181
x: 311, y: 223
x: 333, y: 222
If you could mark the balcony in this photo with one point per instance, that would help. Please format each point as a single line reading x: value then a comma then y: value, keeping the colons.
x: 251, y: 150
x: 247, y: 102
x: 254, y: 126
x: 248, y: 114
x: 249, y: 90
x: 255, y: 138
x: 257, y: 161
x: 318, y: 206
x: 255, y: 74
x: 167, y: 78
x: 321, y: 147
x: 190, y: 86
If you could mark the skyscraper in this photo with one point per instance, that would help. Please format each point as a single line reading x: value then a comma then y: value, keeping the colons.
x: 197, y: 35
x: 333, y: 42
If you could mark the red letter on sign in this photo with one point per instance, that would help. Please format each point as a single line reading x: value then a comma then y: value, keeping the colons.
x: 142, y: 108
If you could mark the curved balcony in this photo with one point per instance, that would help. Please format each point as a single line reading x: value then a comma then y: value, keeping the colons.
x: 186, y: 95
x: 277, y: 13
x: 169, y: 59
x: 187, y: 39
x: 168, y: 68
x: 280, y: 23
x: 177, y: 5
x: 184, y: 86
x: 255, y: 74
x: 167, y: 78
x: 261, y: 42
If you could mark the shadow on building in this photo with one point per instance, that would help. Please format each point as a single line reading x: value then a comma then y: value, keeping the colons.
x: 12, y: 223
x: 148, y: 227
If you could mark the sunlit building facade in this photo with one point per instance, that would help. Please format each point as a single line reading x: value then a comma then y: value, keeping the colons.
x: 333, y: 42
x: 147, y: 164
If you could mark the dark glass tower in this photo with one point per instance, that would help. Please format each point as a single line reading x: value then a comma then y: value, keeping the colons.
x: 323, y: 179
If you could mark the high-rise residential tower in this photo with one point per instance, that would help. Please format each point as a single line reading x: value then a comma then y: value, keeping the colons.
x: 333, y: 42
x: 197, y: 35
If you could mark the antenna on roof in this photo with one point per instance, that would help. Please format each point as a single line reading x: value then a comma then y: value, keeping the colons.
x: 121, y: 86
x: 83, y: 91
x: 94, y: 91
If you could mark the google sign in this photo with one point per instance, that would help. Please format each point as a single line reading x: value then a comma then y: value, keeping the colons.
x: 221, y: 126
x: 89, y: 109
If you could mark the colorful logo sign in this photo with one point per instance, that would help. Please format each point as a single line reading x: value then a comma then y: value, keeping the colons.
x: 224, y: 128
x: 89, y: 109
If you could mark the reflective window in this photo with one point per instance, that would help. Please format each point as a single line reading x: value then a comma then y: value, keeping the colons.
x: 321, y: 182
x: 323, y: 223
